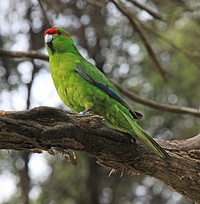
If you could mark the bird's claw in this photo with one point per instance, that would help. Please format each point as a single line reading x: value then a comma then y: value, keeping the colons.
x: 85, y: 111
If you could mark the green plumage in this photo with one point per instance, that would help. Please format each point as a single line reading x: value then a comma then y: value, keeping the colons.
x: 78, y: 93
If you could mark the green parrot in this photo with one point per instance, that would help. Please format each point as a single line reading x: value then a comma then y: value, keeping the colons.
x: 83, y: 87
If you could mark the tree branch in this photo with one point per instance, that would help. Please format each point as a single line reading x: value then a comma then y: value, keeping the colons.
x: 45, y: 128
x: 157, y: 106
x: 189, y: 56
x: 164, y: 74
x: 98, y: 4
x: 48, y: 23
x: 20, y: 54
x: 148, y: 10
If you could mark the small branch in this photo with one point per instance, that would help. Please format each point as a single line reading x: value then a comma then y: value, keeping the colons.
x: 21, y: 54
x: 189, y: 56
x: 49, y: 129
x: 150, y: 51
x: 148, y: 10
x: 158, y: 106
x: 96, y: 3
x: 44, y: 13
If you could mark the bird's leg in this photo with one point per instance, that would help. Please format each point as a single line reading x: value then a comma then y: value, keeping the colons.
x: 85, y: 111
x: 133, y: 140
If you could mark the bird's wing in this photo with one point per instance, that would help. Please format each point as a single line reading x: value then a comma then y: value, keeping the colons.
x: 108, y: 90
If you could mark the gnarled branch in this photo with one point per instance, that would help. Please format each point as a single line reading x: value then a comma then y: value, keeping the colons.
x: 45, y: 128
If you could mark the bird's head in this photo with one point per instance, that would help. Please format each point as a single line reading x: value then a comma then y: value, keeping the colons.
x: 57, y: 40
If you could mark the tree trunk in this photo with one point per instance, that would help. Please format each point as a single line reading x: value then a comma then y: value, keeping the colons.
x: 47, y: 129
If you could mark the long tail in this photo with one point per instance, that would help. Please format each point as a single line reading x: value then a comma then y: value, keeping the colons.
x: 146, y: 139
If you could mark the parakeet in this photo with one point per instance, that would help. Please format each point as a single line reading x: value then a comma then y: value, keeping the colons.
x: 83, y: 87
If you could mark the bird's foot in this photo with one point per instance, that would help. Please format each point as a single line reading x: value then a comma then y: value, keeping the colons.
x: 85, y: 111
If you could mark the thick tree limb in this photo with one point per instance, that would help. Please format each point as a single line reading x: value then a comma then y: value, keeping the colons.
x: 45, y: 128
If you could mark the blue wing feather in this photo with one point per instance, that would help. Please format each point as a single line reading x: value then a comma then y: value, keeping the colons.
x: 110, y: 92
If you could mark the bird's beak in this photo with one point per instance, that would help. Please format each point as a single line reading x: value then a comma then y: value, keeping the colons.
x: 48, y: 38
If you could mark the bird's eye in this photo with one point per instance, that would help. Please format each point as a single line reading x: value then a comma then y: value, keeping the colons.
x: 59, y: 33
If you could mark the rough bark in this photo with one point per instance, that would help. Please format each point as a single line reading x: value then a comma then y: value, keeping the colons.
x: 46, y: 128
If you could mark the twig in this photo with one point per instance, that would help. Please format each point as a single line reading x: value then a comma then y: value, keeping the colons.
x: 150, y: 51
x: 20, y: 54
x: 174, y: 46
x: 150, y: 11
x: 48, y: 22
x: 96, y: 3
x: 158, y: 106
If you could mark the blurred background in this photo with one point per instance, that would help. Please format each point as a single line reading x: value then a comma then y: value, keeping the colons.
x: 118, y: 48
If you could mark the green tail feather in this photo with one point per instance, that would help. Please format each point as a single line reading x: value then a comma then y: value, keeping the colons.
x: 146, y: 139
